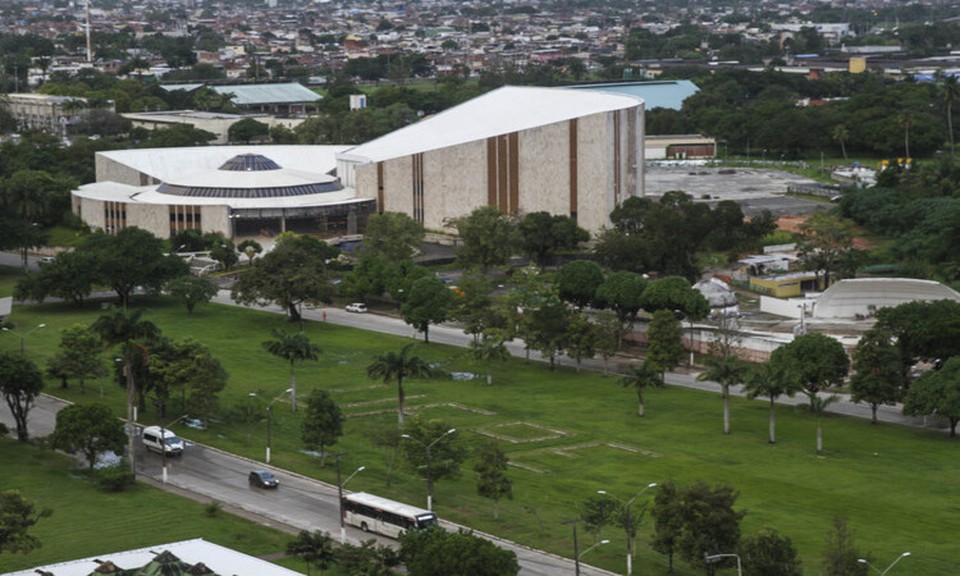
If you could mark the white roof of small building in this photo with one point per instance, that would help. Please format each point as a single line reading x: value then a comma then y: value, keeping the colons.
x: 256, y: 94
x: 221, y: 560
x: 863, y: 296
x: 170, y: 163
x: 501, y: 111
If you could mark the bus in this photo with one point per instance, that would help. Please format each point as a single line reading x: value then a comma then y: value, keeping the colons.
x: 375, y: 514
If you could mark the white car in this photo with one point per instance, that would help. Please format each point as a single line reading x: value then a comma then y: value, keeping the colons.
x: 358, y: 307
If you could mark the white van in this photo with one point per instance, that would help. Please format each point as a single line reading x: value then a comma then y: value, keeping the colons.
x: 160, y: 440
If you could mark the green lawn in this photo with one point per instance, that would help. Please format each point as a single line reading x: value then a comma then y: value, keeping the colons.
x: 570, y: 435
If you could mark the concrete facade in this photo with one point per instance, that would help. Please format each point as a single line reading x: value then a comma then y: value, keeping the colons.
x: 581, y: 165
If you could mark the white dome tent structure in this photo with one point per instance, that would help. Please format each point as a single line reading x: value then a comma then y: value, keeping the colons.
x: 862, y: 297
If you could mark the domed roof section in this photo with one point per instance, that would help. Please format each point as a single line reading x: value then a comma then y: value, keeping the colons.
x: 717, y: 293
x: 250, y: 176
x: 249, y: 163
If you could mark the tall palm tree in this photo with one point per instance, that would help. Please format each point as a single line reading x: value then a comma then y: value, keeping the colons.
x: 841, y: 135
x: 818, y: 405
x: 391, y: 366
x: 727, y: 371
x: 905, y: 120
x: 487, y: 350
x: 128, y: 331
x: 293, y: 347
x: 951, y: 95
x: 641, y: 377
x: 772, y: 380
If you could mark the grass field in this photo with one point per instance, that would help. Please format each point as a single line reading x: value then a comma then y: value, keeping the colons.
x: 569, y: 435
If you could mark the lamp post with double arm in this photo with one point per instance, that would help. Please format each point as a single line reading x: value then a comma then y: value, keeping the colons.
x: 892, y: 564
x: 163, y: 443
x: 23, y: 335
x: 270, y: 417
x: 340, y: 485
x: 628, y: 524
x: 427, y: 448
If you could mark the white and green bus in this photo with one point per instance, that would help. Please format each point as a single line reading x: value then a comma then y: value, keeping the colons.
x: 375, y: 514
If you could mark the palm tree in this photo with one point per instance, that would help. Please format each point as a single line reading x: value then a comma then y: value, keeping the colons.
x: 772, y: 380
x: 293, y: 347
x: 905, y: 120
x: 841, y: 135
x: 487, y: 350
x: 951, y: 95
x: 391, y: 366
x: 818, y: 406
x: 727, y: 371
x: 641, y: 377
x: 124, y: 329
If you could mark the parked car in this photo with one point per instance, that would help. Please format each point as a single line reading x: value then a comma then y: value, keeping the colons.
x: 263, y: 479
x: 358, y: 307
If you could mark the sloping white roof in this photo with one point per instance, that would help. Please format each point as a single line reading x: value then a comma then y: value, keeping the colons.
x: 507, y: 109
x: 254, y: 94
x: 863, y: 296
x: 167, y: 164
x: 221, y: 560
x: 115, y: 192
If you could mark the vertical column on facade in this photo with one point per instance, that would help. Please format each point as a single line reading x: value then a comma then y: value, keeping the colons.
x: 617, y: 160
x: 380, y: 208
x: 574, y: 173
x: 417, y: 187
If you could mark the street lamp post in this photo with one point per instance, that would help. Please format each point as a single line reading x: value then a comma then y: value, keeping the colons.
x: 427, y: 448
x: 629, y: 524
x: 340, y: 485
x: 711, y: 558
x: 578, y: 555
x: 270, y: 417
x: 163, y: 441
x: 892, y: 564
x: 23, y: 335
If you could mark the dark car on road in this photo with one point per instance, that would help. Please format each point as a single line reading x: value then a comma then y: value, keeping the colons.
x: 263, y: 479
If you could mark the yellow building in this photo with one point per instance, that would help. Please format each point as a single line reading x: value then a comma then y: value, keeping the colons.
x: 788, y: 285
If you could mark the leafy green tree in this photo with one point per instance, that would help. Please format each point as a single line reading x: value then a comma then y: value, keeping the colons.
x: 393, y: 235
x: 545, y: 328
x: 769, y: 553
x: 580, y: 337
x: 78, y: 356
x: 622, y: 292
x: 295, y: 348
x: 923, y: 330
x: 431, y: 449
x: 937, y: 392
x: 487, y: 238
x: 640, y: 378
x: 20, y: 384
x: 390, y: 366
x: 17, y: 516
x: 322, y: 424
x: 492, y: 481
x: 223, y: 251
x: 290, y: 275
x: 950, y: 92
x: 247, y: 130
x: 674, y: 293
x: 475, y: 308
x: 90, y: 429
x: 188, y: 367
x: 71, y: 276
x: 131, y: 259
x: 192, y: 290
x: 578, y: 281
x: 542, y: 234
x: 820, y: 361
x: 435, y: 552
x: 487, y: 350
x: 370, y: 558
x: 668, y: 522
x: 607, y: 336
x: 825, y: 243
x: 708, y: 521
x: 877, y: 371
x: 772, y: 379
x: 841, y: 555
x: 429, y: 302
x: 665, y: 341
x: 597, y: 512
x: 314, y: 548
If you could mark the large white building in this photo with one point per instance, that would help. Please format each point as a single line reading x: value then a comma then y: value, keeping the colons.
x: 568, y: 152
